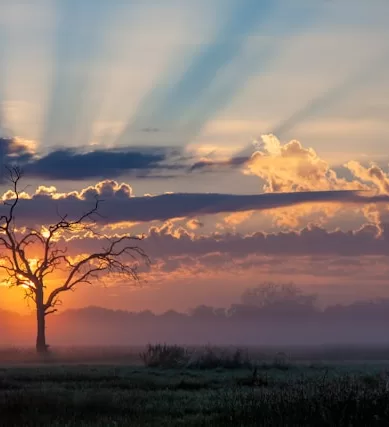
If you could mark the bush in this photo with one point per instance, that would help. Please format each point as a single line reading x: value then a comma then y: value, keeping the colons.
x: 174, y: 356
x: 210, y: 358
x: 165, y: 356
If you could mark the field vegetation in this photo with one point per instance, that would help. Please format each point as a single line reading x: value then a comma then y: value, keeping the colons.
x: 166, y: 385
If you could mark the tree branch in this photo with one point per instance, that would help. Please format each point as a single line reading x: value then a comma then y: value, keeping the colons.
x: 18, y: 267
x: 108, y: 262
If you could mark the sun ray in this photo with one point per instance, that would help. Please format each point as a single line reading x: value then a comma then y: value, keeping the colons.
x: 25, y: 67
x: 72, y: 105
x: 139, y: 75
x: 164, y: 108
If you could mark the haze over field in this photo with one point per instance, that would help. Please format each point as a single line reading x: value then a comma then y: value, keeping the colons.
x: 261, y: 318
x: 247, y: 140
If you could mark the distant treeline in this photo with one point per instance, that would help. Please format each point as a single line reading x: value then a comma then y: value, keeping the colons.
x: 267, y: 315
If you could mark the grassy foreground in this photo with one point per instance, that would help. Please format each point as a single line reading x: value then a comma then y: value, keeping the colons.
x: 106, y: 396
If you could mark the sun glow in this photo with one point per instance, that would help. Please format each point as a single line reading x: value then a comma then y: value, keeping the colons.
x: 27, y: 285
x: 45, y: 233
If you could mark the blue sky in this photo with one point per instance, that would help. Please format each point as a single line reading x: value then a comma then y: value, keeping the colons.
x: 198, y: 73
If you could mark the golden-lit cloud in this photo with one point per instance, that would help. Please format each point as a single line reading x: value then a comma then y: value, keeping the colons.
x: 22, y: 145
x: 292, y: 167
x: 9, y: 195
x: 235, y: 219
x: 194, y: 224
x: 118, y: 204
x: 372, y: 175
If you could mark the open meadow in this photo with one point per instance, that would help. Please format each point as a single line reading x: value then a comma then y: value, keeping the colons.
x: 176, y: 390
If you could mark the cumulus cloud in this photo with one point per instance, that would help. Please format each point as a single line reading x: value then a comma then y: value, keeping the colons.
x: 310, y: 241
x: 336, y: 253
x: 194, y: 224
x: 237, y: 218
x: 372, y: 175
x: 120, y: 205
x: 291, y: 167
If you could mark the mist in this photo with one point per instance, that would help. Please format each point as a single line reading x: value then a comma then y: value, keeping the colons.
x: 268, y: 315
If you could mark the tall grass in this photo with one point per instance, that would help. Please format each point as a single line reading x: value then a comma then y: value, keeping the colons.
x: 109, y: 396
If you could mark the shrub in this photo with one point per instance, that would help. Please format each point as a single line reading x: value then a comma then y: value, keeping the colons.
x: 165, y: 356
x: 210, y: 358
x: 174, y: 356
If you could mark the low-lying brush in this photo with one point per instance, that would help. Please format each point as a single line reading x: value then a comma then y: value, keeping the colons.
x: 165, y: 356
x: 174, y: 356
x: 213, y: 358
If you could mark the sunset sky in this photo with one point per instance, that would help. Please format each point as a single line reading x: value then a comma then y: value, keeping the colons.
x: 181, y: 114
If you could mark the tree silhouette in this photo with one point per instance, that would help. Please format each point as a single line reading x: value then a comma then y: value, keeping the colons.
x: 269, y: 294
x: 19, y: 246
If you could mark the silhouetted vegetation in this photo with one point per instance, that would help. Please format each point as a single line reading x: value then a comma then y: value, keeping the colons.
x: 174, y: 356
x: 165, y: 356
x: 211, y: 358
x: 278, y: 315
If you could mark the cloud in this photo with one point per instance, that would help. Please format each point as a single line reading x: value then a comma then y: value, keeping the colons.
x: 103, y: 163
x: 235, y: 219
x: 18, y: 149
x: 194, y: 224
x: 120, y: 205
x: 359, y: 253
x: 208, y: 163
x: 93, y: 162
x: 310, y: 241
x: 149, y: 129
x: 373, y: 175
x: 299, y: 186
x: 291, y: 167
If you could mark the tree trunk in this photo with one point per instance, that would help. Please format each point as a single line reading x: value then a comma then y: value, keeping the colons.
x: 41, y: 346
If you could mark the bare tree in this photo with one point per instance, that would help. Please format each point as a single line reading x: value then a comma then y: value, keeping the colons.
x: 19, y: 245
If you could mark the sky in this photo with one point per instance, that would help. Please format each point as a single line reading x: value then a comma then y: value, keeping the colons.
x: 246, y: 139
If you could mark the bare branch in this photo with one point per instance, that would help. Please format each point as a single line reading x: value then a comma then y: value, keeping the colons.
x: 17, y: 266
x: 108, y: 261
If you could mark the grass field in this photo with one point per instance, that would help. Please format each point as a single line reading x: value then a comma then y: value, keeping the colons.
x: 122, y: 395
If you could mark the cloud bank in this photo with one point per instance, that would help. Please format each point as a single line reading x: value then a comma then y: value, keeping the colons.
x: 168, y: 241
x: 91, y: 162
x: 118, y: 203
